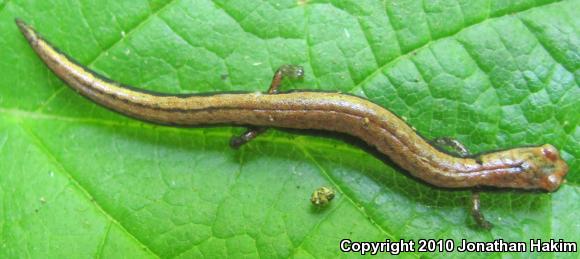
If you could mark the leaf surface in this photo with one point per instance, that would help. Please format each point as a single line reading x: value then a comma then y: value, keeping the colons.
x: 78, y: 180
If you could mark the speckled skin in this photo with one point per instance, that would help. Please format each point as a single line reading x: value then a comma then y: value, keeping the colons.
x: 522, y: 168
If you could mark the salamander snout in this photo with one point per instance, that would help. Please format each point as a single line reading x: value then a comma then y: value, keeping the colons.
x: 551, y: 168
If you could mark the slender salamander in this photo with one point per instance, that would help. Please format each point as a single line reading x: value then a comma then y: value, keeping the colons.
x: 539, y: 167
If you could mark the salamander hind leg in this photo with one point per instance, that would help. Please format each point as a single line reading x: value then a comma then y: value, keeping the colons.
x: 476, y: 211
x: 290, y: 71
x: 462, y: 151
x: 453, y: 144
x: 251, y: 133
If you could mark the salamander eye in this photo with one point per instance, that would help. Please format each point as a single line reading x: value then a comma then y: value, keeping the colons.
x: 550, y: 152
x: 552, y: 182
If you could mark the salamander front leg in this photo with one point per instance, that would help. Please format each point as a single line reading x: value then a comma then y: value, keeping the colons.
x: 291, y: 71
x: 462, y: 151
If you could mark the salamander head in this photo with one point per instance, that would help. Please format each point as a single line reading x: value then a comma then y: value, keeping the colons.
x: 549, y: 168
x: 525, y: 168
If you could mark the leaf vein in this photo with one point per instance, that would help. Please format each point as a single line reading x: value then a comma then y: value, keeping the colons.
x: 4, y: 5
x: 315, y: 227
x: 99, y: 253
x: 409, y: 52
x: 42, y: 147
x: 132, y: 30
x: 106, y: 49
x: 544, y: 46
x: 366, y: 36
x: 347, y: 196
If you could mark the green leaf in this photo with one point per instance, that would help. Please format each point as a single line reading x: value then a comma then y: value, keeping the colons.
x: 77, y: 180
